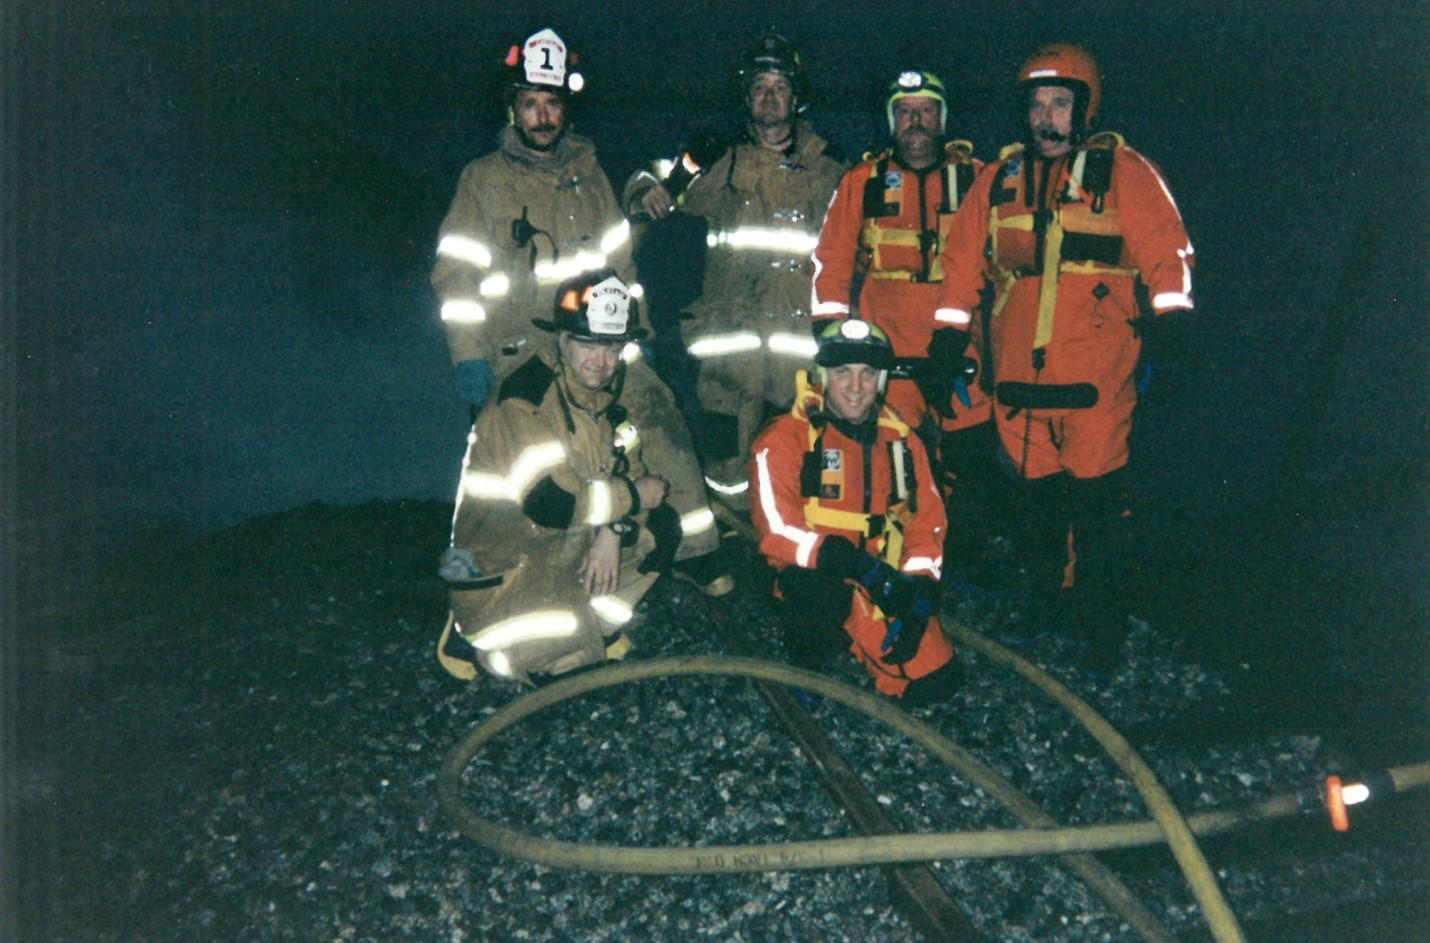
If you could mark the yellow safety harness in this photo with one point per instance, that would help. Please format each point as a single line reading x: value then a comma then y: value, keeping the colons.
x: 889, y: 526
x: 1080, y: 234
x: 926, y: 243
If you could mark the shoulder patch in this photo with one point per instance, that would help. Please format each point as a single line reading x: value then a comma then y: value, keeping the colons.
x: 529, y: 383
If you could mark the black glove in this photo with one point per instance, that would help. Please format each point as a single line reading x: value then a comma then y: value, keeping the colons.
x: 911, y: 598
x: 906, y: 630
x: 938, y: 375
x: 902, y: 641
x: 1165, y: 337
x: 1168, y: 355
x: 664, y: 523
x: 838, y: 557
x: 899, y: 594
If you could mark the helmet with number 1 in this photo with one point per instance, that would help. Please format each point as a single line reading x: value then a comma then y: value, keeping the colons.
x: 913, y: 83
x: 544, y: 63
x: 771, y: 52
x: 854, y: 341
x: 1072, y: 67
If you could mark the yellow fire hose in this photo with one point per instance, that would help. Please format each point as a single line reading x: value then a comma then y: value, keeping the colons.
x: 866, y: 850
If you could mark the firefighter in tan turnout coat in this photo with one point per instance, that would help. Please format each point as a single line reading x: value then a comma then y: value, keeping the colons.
x: 560, y: 529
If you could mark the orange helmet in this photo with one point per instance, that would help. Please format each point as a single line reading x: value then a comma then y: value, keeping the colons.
x: 1071, y: 66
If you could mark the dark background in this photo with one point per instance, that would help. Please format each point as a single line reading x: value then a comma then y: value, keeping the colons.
x: 219, y: 217
x: 222, y: 215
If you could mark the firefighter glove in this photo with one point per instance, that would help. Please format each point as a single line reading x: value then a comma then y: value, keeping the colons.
x: 1164, y: 336
x: 838, y: 557
x: 910, y: 598
x: 902, y: 641
x: 474, y: 383
x: 1168, y: 355
x: 939, y: 375
x: 908, y: 624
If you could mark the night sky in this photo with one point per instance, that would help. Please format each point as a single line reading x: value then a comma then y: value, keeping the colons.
x: 220, y: 217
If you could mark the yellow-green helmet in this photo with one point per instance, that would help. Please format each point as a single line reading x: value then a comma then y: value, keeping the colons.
x: 854, y: 341
x: 913, y: 83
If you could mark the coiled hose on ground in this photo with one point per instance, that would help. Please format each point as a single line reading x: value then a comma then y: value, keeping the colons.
x: 1043, y: 837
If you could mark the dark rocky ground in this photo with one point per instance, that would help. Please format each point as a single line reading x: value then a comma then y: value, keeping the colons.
x: 236, y: 737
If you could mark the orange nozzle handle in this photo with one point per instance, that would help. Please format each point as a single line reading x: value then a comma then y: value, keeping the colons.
x: 1336, y: 804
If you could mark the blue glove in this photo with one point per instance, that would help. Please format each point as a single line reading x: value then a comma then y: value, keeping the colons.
x: 909, y: 619
x: 909, y: 598
x: 474, y: 383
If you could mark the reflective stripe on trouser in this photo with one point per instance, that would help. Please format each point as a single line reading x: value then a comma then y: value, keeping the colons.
x: 540, y: 619
x: 740, y: 383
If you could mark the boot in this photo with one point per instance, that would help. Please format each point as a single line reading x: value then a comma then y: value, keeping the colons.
x: 1102, y: 540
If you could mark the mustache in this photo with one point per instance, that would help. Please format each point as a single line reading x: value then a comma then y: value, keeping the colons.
x: 542, y: 129
x: 1048, y: 134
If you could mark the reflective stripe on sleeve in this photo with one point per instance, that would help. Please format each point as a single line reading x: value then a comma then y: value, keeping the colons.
x: 931, y: 565
x: 598, y: 498
x: 529, y: 466
x: 804, y: 540
x: 955, y: 316
x: 697, y: 522
x: 719, y: 487
x: 1166, y: 300
x: 549, y: 271
x: 615, y: 237
x: 465, y: 249
x: 792, y: 241
x: 463, y: 311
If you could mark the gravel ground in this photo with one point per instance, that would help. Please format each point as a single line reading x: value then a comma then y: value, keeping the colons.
x: 237, y: 738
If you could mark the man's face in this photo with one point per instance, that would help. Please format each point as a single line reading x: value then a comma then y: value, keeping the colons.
x: 771, y: 100
x: 539, y: 118
x: 918, y: 131
x: 1050, y: 114
x: 593, y: 362
x: 850, y: 390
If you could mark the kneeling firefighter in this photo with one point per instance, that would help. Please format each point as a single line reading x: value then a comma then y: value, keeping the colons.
x: 849, y: 513
x: 560, y: 529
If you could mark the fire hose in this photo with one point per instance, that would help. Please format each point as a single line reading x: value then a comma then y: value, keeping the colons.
x: 1167, y: 824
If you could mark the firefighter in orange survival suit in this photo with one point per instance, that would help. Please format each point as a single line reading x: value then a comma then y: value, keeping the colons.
x: 1085, y: 206
x: 887, y: 226
x: 848, y: 511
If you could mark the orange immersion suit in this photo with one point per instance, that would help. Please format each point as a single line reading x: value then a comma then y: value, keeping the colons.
x: 851, y: 490
x: 890, y: 225
x: 1064, y: 351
